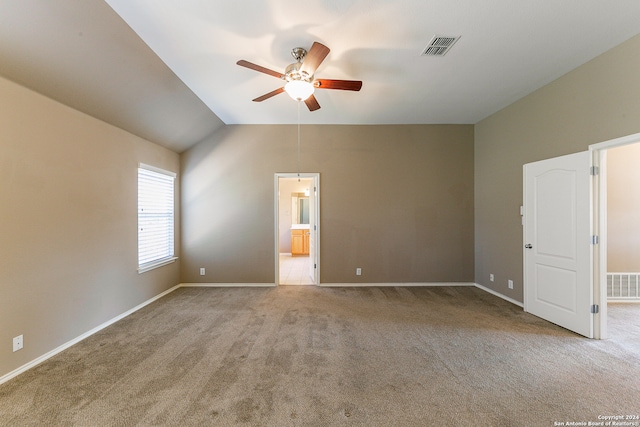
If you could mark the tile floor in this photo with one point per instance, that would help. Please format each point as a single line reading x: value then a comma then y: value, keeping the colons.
x: 294, y: 270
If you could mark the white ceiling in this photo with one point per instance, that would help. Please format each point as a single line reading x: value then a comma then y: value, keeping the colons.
x: 170, y: 75
x: 508, y: 48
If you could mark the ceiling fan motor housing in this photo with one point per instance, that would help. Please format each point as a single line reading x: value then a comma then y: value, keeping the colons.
x: 293, y: 73
x: 299, y: 53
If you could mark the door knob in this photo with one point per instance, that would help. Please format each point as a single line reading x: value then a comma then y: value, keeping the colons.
x: 528, y: 246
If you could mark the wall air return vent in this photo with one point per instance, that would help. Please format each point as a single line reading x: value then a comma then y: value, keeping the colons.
x: 439, y: 45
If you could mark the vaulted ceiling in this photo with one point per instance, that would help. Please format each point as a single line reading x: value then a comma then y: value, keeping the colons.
x: 166, y: 70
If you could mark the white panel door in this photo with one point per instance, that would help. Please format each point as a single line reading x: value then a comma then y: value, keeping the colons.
x: 557, y: 237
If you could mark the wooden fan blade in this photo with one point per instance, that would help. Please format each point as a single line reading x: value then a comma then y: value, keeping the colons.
x: 314, y: 57
x: 338, y: 84
x: 268, y: 95
x: 259, y: 68
x: 312, y: 103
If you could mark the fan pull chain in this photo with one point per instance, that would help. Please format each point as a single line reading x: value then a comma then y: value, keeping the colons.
x: 298, y: 140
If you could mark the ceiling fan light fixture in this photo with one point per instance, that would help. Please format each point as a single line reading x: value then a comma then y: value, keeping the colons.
x: 299, y: 77
x: 299, y: 89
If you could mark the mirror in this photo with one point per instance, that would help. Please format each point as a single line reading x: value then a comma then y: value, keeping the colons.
x: 299, y: 208
x: 303, y: 205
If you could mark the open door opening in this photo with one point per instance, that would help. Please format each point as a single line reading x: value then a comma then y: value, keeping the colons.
x: 297, y: 201
x: 566, y: 238
x: 617, y: 198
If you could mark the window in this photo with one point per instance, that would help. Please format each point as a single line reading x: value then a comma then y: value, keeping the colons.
x: 155, y: 217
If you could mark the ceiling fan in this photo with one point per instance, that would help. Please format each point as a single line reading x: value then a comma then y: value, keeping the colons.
x: 300, y: 76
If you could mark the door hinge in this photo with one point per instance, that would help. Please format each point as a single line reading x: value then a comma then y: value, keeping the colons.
x: 315, y: 266
x: 595, y: 308
x: 314, y: 227
x: 594, y: 170
x: 595, y: 240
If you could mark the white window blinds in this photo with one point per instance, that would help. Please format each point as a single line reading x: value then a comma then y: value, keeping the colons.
x: 155, y: 217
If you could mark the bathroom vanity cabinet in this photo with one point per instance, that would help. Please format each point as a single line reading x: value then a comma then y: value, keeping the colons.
x: 299, y: 242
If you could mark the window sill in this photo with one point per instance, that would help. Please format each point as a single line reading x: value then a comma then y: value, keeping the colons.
x: 155, y: 264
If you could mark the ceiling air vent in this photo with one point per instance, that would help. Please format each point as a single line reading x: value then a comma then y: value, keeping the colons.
x: 439, y: 45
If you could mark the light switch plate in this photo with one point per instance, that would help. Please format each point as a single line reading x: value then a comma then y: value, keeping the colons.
x: 18, y: 343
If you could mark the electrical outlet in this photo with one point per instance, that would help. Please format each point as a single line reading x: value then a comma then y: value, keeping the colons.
x: 202, y: 271
x: 510, y: 284
x: 491, y: 278
x: 358, y: 271
x: 18, y: 343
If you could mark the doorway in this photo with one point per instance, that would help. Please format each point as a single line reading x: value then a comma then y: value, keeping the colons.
x: 297, y: 243
x: 608, y: 255
x: 594, y: 285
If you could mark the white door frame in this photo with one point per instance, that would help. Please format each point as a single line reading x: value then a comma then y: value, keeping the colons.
x: 315, y: 177
x: 599, y: 152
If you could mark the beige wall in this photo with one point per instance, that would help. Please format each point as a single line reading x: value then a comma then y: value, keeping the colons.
x: 68, y: 223
x: 623, y: 210
x: 396, y: 201
x: 596, y: 102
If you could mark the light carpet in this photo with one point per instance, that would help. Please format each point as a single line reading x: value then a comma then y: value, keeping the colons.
x: 309, y: 356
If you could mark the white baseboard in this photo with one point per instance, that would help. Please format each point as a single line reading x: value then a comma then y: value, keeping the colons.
x: 322, y: 285
x: 227, y: 285
x: 402, y: 284
x: 499, y: 295
x: 76, y: 340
